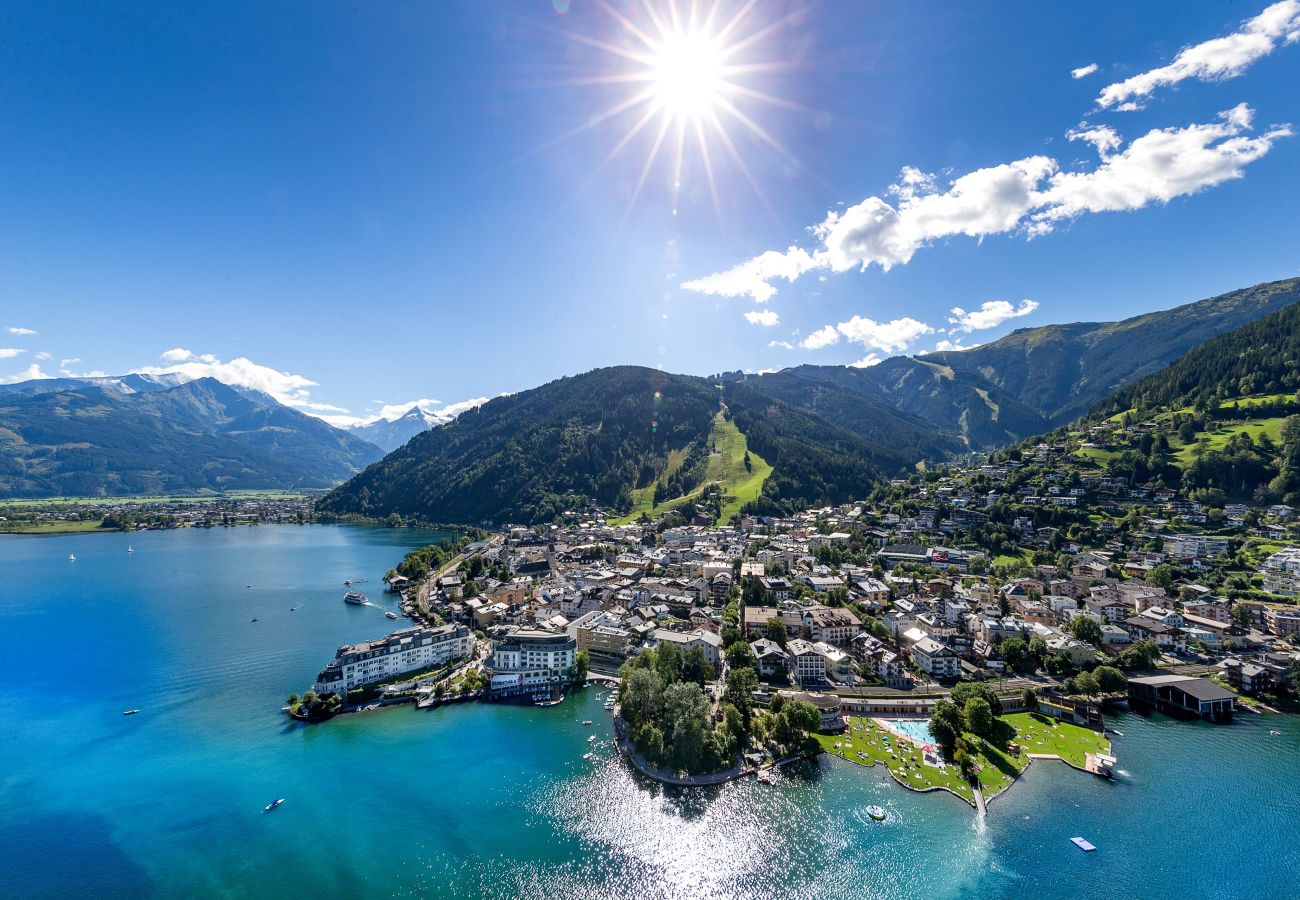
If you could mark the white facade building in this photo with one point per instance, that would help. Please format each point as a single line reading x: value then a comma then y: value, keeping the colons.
x: 408, y: 650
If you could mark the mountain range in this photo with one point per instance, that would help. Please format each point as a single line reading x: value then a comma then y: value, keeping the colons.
x: 163, y: 435
x: 389, y: 434
x: 630, y: 439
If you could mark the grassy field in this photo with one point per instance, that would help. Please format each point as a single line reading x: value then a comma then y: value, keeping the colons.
x: 1039, y: 734
x: 726, y: 468
x: 78, y: 527
x: 1096, y: 454
x: 864, y: 743
x: 1219, y: 437
x: 193, y: 498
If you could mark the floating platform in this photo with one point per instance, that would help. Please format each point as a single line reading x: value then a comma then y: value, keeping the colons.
x: 1083, y: 845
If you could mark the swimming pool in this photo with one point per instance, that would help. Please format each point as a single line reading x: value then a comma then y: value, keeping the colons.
x: 916, y: 729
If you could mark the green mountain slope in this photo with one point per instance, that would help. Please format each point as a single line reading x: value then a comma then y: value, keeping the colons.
x: 1061, y: 371
x: 619, y: 437
x: 119, y: 437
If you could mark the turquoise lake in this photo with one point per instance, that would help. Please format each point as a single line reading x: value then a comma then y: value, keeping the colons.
x: 496, y: 801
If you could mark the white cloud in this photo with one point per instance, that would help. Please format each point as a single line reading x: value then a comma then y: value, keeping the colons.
x: 1104, y: 139
x: 10, y: 352
x: 991, y: 314
x: 784, y: 345
x: 822, y: 337
x: 291, y: 390
x: 1083, y: 71
x: 1213, y: 60
x: 751, y: 278
x: 1029, y: 195
x: 943, y: 346
x: 64, y: 363
x: 765, y: 317
x: 871, y: 359
x: 1162, y: 164
x: 31, y: 373
x: 893, y: 336
x: 43, y: 356
x: 20, y: 331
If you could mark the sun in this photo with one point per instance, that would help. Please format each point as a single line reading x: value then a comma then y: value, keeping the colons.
x: 687, y: 75
x: 683, y: 79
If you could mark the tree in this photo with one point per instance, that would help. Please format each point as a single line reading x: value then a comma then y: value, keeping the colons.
x: 979, y: 716
x: 1293, y: 675
x: 775, y: 631
x: 1015, y: 652
x: 581, y: 665
x: 1110, y: 680
x: 739, y: 656
x: 1240, y: 616
x: 946, y: 724
x: 695, y: 667
x: 1029, y: 700
x: 685, y: 719
x: 1086, y: 683
x: 793, y: 723
x: 642, y: 697
x: 668, y: 663
x: 964, y: 691
x: 741, y: 684
x: 1086, y: 629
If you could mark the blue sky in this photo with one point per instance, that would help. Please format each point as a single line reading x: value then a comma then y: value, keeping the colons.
x: 357, y: 205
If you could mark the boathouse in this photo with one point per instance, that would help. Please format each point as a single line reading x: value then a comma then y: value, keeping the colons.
x: 1183, y: 695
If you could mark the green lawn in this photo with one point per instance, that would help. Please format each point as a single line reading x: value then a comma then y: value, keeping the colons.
x: 863, y: 743
x: 726, y: 468
x: 200, y: 497
x: 77, y: 527
x: 1096, y: 454
x: 1219, y: 437
x: 1039, y: 734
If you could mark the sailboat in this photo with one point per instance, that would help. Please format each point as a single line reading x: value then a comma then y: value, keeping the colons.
x: 130, y: 549
x: 72, y: 557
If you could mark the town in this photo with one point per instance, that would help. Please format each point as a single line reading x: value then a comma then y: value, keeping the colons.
x: 1022, y: 581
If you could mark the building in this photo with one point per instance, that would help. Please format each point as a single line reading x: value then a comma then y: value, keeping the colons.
x: 770, y: 656
x: 828, y: 706
x: 708, y: 642
x: 605, y: 645
x: 530, y: 659
x: 1180, y: 694
x: 806, y: 665
x: 830, y: 625
x: 839, y: 666
x: 388, y: 658
x: 757, y: 617
x: 935, y: 660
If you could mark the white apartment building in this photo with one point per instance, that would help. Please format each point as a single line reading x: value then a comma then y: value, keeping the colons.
x: 408, y: 650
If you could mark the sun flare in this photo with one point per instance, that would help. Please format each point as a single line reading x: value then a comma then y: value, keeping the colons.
x: 687, y: 74
x: 684, y: 76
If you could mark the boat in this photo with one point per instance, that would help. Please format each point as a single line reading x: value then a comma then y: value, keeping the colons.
x: 252, y: 620
x: 1274, y: 733
x: 765, y: 776
x: 588, y: 756
x: 391, y: 614
x: 1083, y: 845
x: 356, y: 598
x: 130, y: 549
x: 72, y: 557
x: 876, y: 813
x: 273, y: 804
x: 586, y: 721
x: 131, y: 712
x: 590, y: 738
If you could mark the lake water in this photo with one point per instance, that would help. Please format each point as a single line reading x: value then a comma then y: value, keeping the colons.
x: 496, y: 801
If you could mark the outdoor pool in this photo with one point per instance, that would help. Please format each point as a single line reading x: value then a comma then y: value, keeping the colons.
x: 916, y: 729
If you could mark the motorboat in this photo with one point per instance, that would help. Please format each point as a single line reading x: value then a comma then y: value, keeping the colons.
x: 131, y: 712
x: 273, y: 805
x: 391, y: 614
x: 875, y: 813
x: 586, y: 721
x: 356, y: 598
